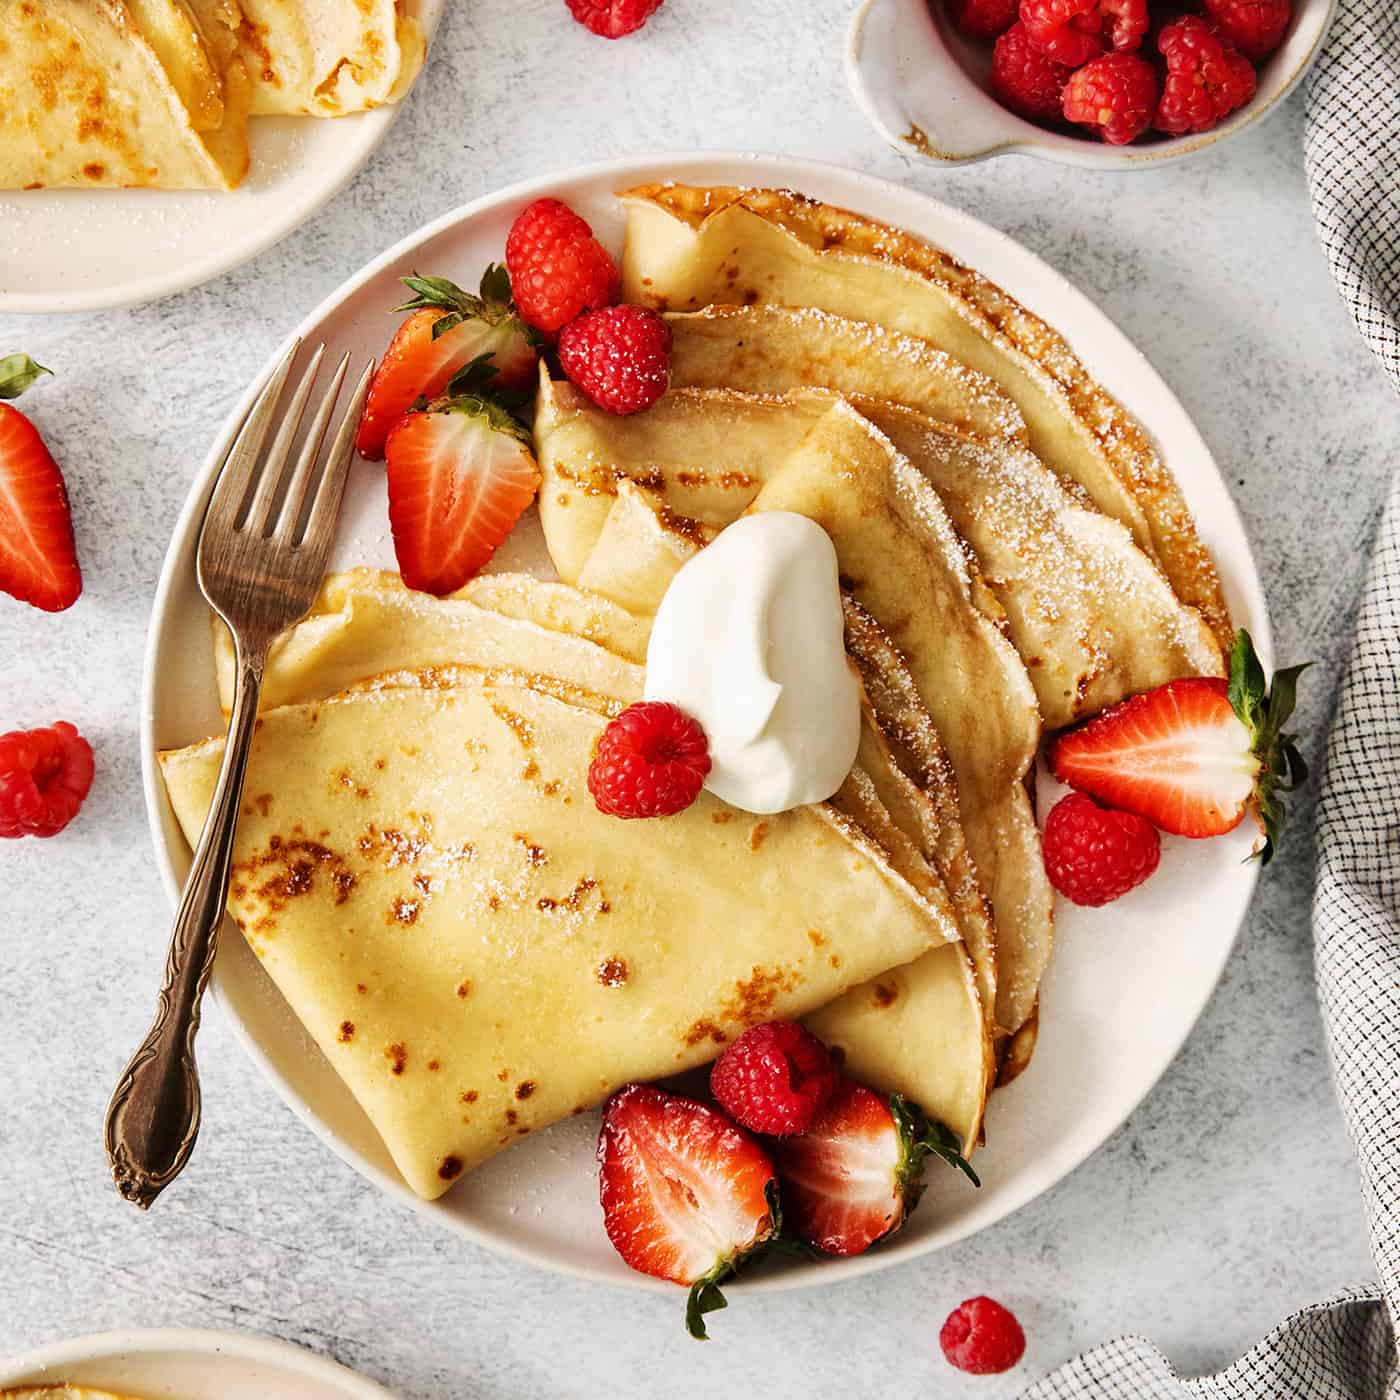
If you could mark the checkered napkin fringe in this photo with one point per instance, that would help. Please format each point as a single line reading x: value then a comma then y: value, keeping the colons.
x: 1343, y: 1349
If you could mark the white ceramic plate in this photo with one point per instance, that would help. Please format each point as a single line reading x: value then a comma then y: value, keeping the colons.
x: 183, y: 1364
x: 1126, y: 984
x: 91, y: 250
x: 924, y: 88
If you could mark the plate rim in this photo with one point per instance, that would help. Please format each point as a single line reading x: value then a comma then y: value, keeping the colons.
x: 772, y: 169
x: 376, y: 124
x: 151, y: 1341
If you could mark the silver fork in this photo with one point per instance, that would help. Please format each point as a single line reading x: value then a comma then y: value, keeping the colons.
x: 260, y: 566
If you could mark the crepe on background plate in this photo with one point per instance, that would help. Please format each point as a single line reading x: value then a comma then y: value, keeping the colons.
x: 479, y: 952
x: 367, y: 625
x: 102, y: 93
x: 329, y: 58
x: 687, y: 248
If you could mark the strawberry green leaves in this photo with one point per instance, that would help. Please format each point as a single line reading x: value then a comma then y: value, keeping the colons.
x: 17, y: 373
x: 1264, y: 709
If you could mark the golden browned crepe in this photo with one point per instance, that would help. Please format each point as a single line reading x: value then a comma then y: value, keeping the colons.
x: 577, y: 646
x: 479, y: 952
x: 626, y: 500
x: 100, y: 93
x: 690, y: 247
x: 1091, y: 614
x: 329, y: 58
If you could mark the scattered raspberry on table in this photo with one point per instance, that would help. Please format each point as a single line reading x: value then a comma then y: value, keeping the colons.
x: 982, y: 1338
x: 613, y: 19
x: 45, y: 774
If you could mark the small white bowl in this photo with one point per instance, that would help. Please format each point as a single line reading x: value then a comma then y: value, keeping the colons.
x: 925, y: 88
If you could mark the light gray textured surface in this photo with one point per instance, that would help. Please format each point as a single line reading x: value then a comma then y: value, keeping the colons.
x: 1228, y: 1199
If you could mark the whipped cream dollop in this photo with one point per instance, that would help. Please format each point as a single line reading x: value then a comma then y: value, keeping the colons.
x: 749, y: 639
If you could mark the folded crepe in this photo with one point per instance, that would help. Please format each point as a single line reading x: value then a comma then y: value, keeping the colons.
x: 329, y: 58
x: 688, y: 248
x: 479, y: 952
x: 366, y: 624
x: 100, y: 93
x: 1091, y: 614
x: 626, y: 500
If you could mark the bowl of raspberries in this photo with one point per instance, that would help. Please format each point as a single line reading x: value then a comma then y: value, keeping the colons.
x: 1109, y: 83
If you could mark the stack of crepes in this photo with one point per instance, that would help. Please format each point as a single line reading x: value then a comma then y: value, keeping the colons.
x: 157, y: 93
x: 420, y: 867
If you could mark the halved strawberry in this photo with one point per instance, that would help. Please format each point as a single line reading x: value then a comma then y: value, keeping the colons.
x: 460, y: 474
x: 38, y: 558
x: 449, y: 331
x: 1192, y: 756
x: 687, y: 1195
x: 854, y: 1176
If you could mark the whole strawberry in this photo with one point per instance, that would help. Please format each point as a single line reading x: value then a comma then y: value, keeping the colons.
x: 1115, y: 95
x: 1207, y: 78
x: 776, y: 1078
x: 1255, y: 27
x: 613, y: 19
x: 557, y: 268
x: 1028, y: 80
x: 651, y: 761
x: 1093, y: 855
x: 620, y: 357
x: 45, y: 775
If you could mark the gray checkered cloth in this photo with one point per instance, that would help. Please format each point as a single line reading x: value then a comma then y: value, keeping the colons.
x: 1343, y: 1349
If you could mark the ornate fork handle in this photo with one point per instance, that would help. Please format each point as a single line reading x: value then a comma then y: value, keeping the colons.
x: 153, y: 1118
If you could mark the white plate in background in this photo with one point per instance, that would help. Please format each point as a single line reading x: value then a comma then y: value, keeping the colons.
x: 93, y: 250
x: 1126, y: 983
x: 188, y: 1364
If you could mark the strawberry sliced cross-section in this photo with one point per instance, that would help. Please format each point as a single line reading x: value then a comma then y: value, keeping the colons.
x: 38, y: 558
x: 460, y: 475
x: 687, y: 1196
x: 1192, y: 756
x: 854, y: 1176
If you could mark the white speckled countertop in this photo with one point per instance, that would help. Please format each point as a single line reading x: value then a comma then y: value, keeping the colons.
x: 1227, y: 1200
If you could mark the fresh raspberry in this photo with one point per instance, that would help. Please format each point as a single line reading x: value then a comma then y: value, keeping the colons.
x: 557, y: 268
x: 1074, y: 31
x: 1255, y: 27
x: 982, y: 19
x: 612, y: 19
x: 1115, y: 94
x: 1025, y: 79
x: 44, y: 776
x: 651, y: 761
x: 619, y: 356
x: 776, y: 1079
x: 982, y: 1338
x: 1207, y: 78
x: 1094, y: 854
